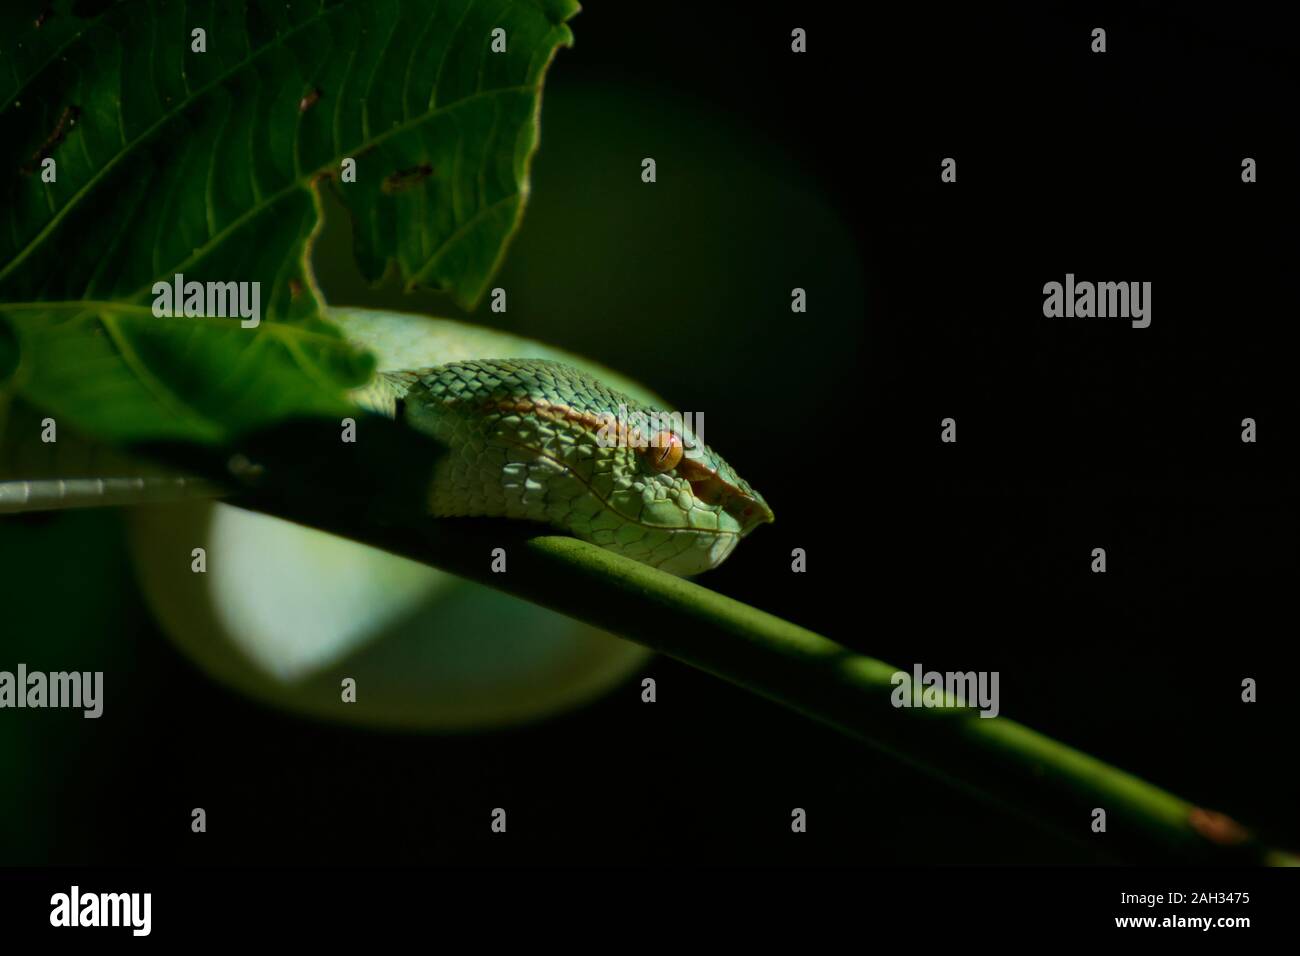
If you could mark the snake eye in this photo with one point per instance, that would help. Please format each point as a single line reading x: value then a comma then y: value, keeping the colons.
x: 665, y: 452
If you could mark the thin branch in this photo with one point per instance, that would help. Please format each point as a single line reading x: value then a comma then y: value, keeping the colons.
x: 997, y: 758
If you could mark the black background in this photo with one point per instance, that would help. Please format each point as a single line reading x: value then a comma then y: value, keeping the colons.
x: 1073, y: 434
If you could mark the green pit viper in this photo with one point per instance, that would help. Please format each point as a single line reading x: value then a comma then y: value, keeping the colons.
x: 287, y: 614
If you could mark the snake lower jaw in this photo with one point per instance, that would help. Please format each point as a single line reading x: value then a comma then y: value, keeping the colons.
x: 697, y: 561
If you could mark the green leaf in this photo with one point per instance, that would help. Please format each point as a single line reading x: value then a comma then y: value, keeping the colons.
x: 169, y: 161
x: 125, y: 376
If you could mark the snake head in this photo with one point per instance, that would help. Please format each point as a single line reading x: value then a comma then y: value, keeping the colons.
x: 542, y: 440
x: 714, y: 483
x: 686, y: 495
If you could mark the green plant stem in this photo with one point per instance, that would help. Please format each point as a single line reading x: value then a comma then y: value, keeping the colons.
x: 995, y: 757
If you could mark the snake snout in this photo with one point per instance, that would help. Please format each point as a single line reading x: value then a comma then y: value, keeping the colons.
x: 750, y: 510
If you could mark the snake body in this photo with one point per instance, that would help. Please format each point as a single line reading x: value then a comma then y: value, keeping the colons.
x: 541, y: 436
x: 538, y: 436
x: 286, y: 613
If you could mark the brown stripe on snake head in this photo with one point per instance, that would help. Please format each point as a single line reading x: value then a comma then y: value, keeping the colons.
x: 554, y: 411
x: 705, y: 482
x: 618, y: 432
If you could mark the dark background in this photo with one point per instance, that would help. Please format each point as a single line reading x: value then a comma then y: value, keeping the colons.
x: 822, y: 171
